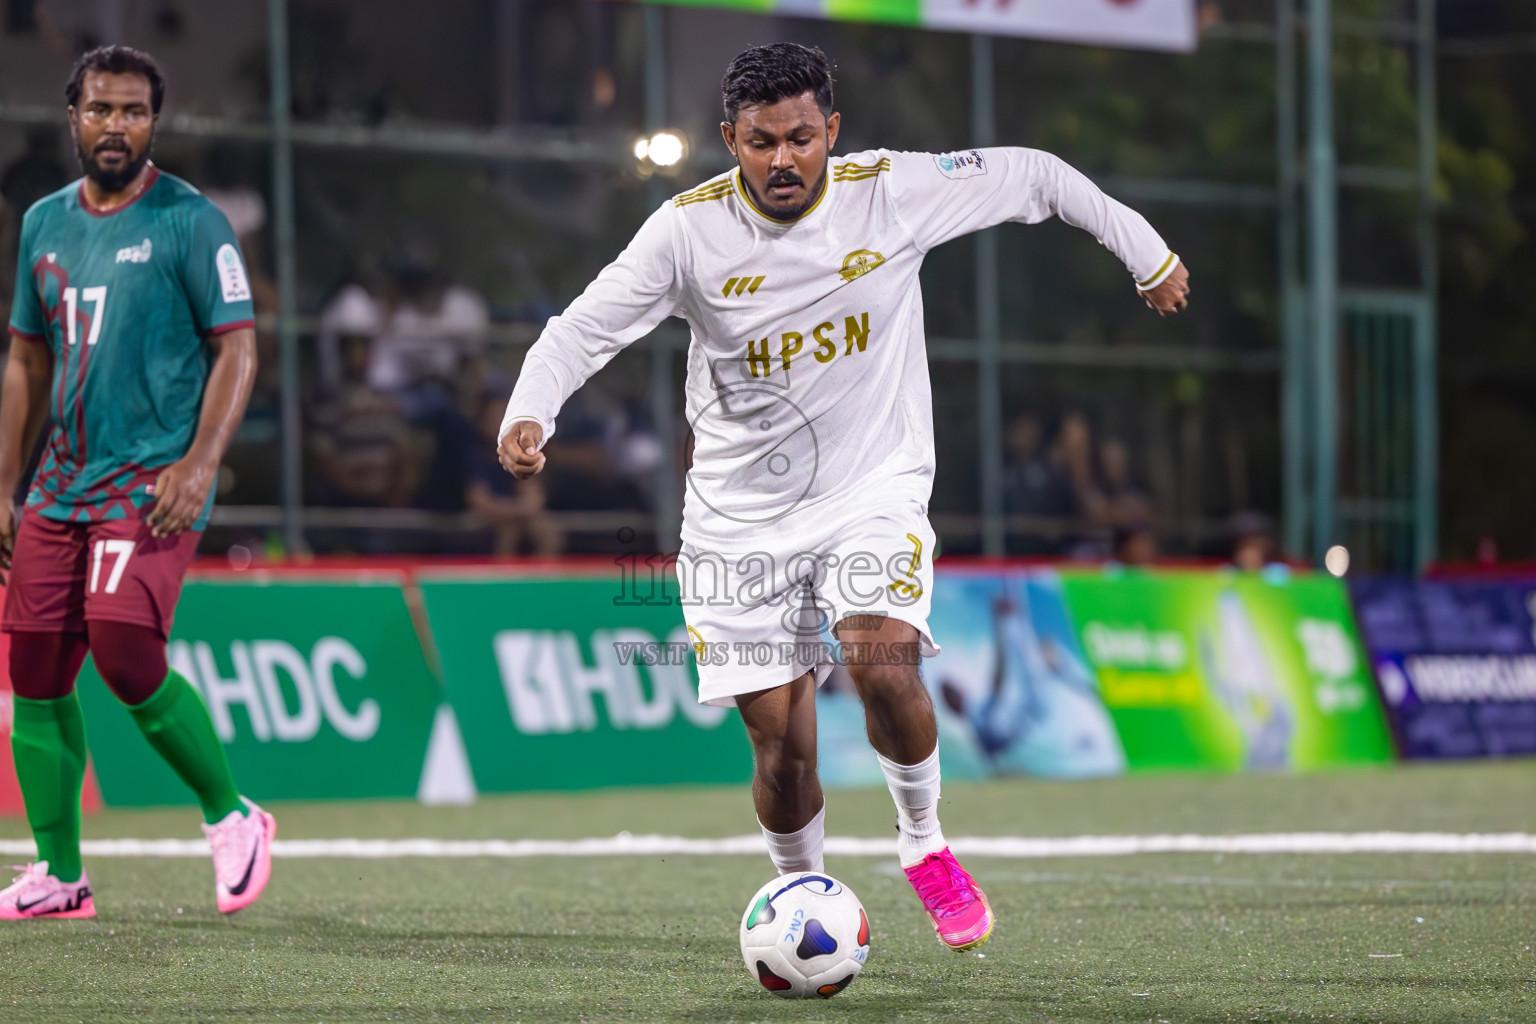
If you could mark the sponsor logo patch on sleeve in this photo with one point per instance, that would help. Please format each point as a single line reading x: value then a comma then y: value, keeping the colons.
x: 232, y: 280
x: 966, y: 163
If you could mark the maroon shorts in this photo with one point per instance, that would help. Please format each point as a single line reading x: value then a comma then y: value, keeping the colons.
x: 63, y: 574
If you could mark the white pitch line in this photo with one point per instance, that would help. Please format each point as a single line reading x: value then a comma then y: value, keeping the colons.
x: 1008, y: 847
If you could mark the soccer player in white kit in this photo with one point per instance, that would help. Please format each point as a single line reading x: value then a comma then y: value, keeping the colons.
x: 805, y: 536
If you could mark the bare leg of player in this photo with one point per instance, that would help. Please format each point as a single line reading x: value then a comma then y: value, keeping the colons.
x: 781, y: 724
x: 882, y: 655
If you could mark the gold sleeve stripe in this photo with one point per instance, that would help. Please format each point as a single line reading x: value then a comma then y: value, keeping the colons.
x: 883, y: 165
x: 708, y: 186
x: 705, y: 199
x: 704, y: 195
x: 858, y: 172
x: 702, y: 199
x: 1167, y: 266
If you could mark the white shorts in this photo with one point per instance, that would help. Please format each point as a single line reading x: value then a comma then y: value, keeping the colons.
x: 760, y: 618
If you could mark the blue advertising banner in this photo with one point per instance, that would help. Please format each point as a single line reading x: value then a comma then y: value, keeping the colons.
x: 1456, y: 662
x: 1013, y: 671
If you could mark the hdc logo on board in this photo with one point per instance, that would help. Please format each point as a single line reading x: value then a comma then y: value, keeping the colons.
x: 551, y: 680
x: 285, y: 693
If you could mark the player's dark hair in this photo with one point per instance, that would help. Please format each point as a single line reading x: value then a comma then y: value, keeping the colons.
x: 777, y: 71
x: 116, y: 60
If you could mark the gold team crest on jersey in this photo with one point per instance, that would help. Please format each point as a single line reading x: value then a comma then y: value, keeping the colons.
x: 860, y: 262
x: 700, y: 650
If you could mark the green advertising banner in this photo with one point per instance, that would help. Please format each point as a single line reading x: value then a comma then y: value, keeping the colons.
x: 1228, y: 670
x: 560, y: 684
x: 318, y: 689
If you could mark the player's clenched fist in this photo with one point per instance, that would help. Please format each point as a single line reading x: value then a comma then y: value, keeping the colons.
x: 1172, y: 296
x: 519, y: 450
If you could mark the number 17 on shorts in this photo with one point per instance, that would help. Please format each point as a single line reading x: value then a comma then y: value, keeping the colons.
x: 64, y: 574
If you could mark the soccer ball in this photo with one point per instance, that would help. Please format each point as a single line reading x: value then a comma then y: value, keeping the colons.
x: 804, y: 934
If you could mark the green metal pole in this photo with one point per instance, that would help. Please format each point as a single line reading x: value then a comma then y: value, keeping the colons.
x: 1426, y: 400
x: 1293, y: 336
x: 1322, y: 217
x: 655, y: 67
x: 989, y: 398
x: 287, y: 277
x: 669, y: 513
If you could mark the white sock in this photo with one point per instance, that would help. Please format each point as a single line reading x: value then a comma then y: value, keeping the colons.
x: 798, y: 851
x: 915, y: 788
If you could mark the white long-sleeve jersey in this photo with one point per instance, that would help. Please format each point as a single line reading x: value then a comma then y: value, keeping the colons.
x: 807, y: 379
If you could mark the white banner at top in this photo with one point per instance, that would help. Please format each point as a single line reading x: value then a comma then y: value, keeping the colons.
x: 1136, y: 24
x: 1141, y: 24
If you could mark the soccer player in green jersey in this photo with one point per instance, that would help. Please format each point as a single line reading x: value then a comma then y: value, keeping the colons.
x: 132, y: 326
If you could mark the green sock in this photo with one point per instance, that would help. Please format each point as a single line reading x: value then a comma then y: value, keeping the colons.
x: 176, y: 723
x: 48, y: 744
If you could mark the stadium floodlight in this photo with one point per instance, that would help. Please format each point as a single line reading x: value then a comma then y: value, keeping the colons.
x: 1336, y: 560
x: 666, y: 149
x: 663, y: 150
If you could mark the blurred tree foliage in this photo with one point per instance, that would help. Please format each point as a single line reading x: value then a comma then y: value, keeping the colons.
x: 1488, y: 261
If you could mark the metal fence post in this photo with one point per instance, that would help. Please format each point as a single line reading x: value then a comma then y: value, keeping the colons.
x: 1292, y: 308
x: 1323, y: 268
x: 1426, y: 405
x: 668, y: 510
x: 989, y: 417
x: 287, y: 297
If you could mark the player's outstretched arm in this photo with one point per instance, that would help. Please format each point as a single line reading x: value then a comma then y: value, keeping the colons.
x: 23, y: 408
x: 182, y: 488
x: 943, y: 196
x: 1068, y: 193
x: 623, y: 304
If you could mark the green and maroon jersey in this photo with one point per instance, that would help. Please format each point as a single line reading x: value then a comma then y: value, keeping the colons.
x: 125, y: 301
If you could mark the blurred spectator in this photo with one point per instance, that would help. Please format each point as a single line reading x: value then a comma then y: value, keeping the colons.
x: 1033, y: 484
x: 363, y: 449
x: 512, y: 508
x: 1253, y: 541
x: 430, y: 333
x: 1116, y: 498
x: 1135, y: 543
x: 604, y: 449
x: 1037, y: 482
x: 431, y: 329
x: 252, y: 468
x: 352, y: 312
x: 1072, y: 450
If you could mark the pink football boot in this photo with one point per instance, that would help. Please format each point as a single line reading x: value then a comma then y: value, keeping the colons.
x: 959, y: 909
x: 242, y: 856
x: 36, y: 893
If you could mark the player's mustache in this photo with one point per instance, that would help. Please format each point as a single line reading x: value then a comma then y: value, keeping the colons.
x: 111, y: 146
x: 784, y: 178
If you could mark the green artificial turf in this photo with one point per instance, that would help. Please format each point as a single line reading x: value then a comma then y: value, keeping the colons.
x: 1177, y: 938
